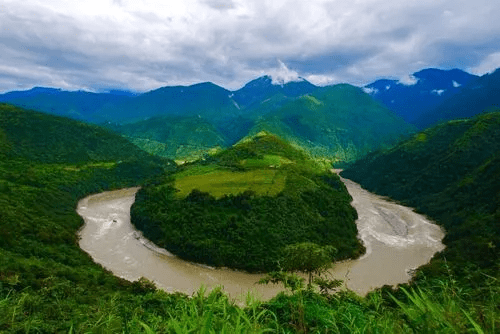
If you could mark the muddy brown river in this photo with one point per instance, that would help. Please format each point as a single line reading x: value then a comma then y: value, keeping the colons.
x: 397, y: 241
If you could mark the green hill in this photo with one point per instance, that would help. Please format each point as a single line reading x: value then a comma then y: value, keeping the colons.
x: 340, y: 122
x: 39, y: 137
x: 242, y: 206
x: 80, y: 105
x: 49, y: 285
x: 204, y: 99
x: 48, y: 163
x: 450, y: 172
x: 181, y: 137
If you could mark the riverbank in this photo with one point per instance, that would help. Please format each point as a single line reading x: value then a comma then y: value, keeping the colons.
x: 397, y: 240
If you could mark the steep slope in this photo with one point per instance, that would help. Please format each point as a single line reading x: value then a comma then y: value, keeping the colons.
x: 47, y: 163
x: 481, y: 94
x: 340, y: 122
x: 411, y: 101
x: 451, y: 172
x: 174, y: 137
x: 263, y: 88
x: 205, y: 99
x: 244, y: 205
x: 35, y: 136
x: 79, y: 105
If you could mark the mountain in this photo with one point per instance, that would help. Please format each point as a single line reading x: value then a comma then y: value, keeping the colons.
x: 49, y: 285
x: 181, y: 137
x: 84, y: 106
x: 340, y: 122
x: 241, y: 207
x: 263, y: 88
x: 450, y: 172
x: 411, y: 101
x: 481, y: 94
x: 47, y: 164
x: 35, y: 136
x: 205, y: 99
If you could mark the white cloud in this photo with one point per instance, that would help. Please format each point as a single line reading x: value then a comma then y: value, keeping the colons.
x: 322, y: 79
x: 438, y: 92
x: 370, y: 90
x: 488, y: 65
x: 283, y: 74
x: 149, y: 43
x: 408, y: 80
x: 456, y: 84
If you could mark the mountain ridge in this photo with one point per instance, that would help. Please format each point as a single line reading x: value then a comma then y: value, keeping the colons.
x: 430, y: 88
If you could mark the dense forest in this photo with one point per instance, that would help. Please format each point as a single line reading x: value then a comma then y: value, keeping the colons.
x: 451, y: 173
x: 248, y: 229
x: 49, y: 285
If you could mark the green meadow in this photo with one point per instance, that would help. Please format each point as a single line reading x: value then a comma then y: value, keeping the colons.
x: 224, y: 182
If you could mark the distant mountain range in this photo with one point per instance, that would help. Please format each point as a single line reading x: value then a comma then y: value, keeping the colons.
x: 340, y: 122
x: 412, y: 100
x: 480, y: 95
x: 35, y: 137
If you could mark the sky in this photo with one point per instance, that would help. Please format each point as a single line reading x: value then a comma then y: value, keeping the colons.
x: 139, y: 45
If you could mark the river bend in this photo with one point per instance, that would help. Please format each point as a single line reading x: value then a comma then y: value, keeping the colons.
x: 396, y: 238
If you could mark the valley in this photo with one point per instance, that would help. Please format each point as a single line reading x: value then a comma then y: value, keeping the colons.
x: 397, y: 241
x: 252, y: 179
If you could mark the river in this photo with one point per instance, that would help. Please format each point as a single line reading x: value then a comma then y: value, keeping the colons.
x: 396, y: 238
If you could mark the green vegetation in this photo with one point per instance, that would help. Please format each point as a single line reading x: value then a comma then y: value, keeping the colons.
x: 308, y: 258
x: 260, y: 181
x: 453, y: 176
x: 49, y: 285
x: 181, y: 137
x: 340, y: 122
x: 226, y: 211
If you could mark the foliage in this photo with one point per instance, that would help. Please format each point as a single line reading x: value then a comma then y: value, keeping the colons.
x: 308, y: 258
x: 179, y: 137
x: 242, y: 216
x: 49, y: 285
x: 340, y: 122
x: 289, y: 280
x: 453, y: 177
x: 226, y: 182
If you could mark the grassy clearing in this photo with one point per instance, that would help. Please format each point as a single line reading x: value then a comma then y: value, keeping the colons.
x: 220, y: 182
x: 269, y: 160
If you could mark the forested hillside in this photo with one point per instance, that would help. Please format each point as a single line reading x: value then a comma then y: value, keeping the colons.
x: 182, y: 138
x: 49, y: 285
x: 340, y: 122
x: 47, y: 163
x: 450, y: 172
x: 241, y: 207
x: 80, y: 105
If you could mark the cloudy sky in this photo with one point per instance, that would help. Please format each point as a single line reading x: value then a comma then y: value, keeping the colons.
x: 144, y: 44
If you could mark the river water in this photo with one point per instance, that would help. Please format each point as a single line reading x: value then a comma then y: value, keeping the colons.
x: 397, y: 241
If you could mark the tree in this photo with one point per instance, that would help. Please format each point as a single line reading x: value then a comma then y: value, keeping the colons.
x: 308, y: 258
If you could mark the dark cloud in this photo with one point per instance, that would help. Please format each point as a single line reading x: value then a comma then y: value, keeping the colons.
x: 147, y: 44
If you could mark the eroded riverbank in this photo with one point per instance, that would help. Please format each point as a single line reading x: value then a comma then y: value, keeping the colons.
x: 396, y: 238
